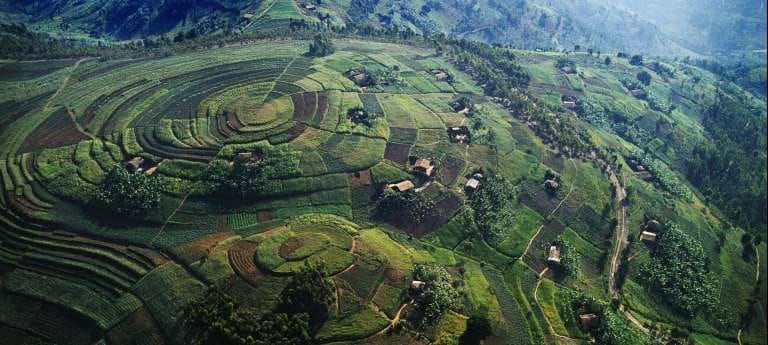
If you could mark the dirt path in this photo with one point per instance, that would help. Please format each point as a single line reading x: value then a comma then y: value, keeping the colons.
x: 620, y: 235
x: 64, y: 83
x: 165, y: 223
x: 530, y: 242
x: 757, y: 280
x: 395, y: 319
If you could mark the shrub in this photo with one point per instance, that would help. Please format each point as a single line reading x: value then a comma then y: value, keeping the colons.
x: 394, y: 205
x: 492, y: 205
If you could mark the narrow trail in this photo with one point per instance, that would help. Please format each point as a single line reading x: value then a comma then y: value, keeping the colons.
x: 165, y: 223
x: 395, y: 319
x: 620, y: 235
x: 64, y: 83
x: 536, y: 300
x: 530, y: 242
x: 757, y: 280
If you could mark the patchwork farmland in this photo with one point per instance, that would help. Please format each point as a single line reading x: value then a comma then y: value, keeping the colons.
x: 73, y: 273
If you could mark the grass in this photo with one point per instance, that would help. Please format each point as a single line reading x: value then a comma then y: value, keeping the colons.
x: 547, y: 298
x: 359, y: 324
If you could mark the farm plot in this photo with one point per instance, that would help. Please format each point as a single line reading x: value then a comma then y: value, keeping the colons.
x: 57, y: 130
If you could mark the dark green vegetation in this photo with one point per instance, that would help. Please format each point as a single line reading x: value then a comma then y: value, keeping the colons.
x: 678, y: 268
x: 272, y: 197
x: 128, y: 193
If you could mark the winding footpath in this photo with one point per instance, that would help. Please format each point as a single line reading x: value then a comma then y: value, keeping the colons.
x: 620, y: 235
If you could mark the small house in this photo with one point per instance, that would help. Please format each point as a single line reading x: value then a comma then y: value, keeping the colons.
x: 361, y: 78
x: 135, y: 164
x: 358, y: 115
x: 401, y: 186
x: 442, y: 76
x: 150, y: 171
x: 645, y: 175
x: 244, y: 155
x: 648, y: 237
x: 639, y: 93
x: 589, y: 321
x: 568, y: 69
x: 424, y: 166
x: 418, y: 285
x: 477, y: 176
x: 551, y: 185
x: 309, y: 7
x: 248, y: 16
x: 554, y: 255
x: 472, y: 184
x: 569, y: 104
x: 459, y: 134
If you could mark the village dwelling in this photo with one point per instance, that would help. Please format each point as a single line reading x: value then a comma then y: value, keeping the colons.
x: 648, y: 237
x: 418, y: 285
x: 569, y: 104
x: 307, y: 6
x: 551, y: 185
x: 459, y: 134
x: 135, y: 164
x: 589, y: 321
x: 358, y: 115
x: 472, y: 184
x: 401, y: 186
x: 568, y: 69
x: 248, y: 16
x: 424, y: 166
x: 638, y: 93
x: 359, y: 77
x: 150, y: 171
x: 569, y: 101
x: 554, y: 255
x: 652, y: 226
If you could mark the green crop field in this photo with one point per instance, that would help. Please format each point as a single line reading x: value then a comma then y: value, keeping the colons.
x: 206, y: 123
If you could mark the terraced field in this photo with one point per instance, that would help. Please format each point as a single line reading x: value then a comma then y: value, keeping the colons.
x: 91, y: 275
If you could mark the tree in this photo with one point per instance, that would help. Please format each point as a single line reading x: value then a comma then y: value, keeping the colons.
x: 636, y: 60
x: 321, y: 45
x: 128, y: 193
x: 590, y: 51
x: 607, y: 60
x: 478, y: 328
x: 309, y: 291
x: 644, y: 77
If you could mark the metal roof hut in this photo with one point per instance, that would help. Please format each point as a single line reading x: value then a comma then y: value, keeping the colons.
x: 554, y: 255
x: 424, y: 166
x: 459, y: 134
x: 589, y: 321
x: 568, y: 69
x: 638, y: 93
x: 472, y: 184
x: 551, y: 185
x: 135, y: 164
x: 248, y: 16
x: 648, y: 237
x: 418, y: 285
x: 401, y: 186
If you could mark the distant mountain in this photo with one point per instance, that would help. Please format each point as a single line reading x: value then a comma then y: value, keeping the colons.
x: 121, y: 19
x: 558, y: 24
x: 707, y: 26
x: 530, y: 24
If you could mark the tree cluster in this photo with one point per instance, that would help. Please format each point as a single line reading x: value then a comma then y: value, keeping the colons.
x: 492, y: 205
x: 409, y: 207
x: 678, y: 269
x: 253, y: 176
x: 321, y: 45
x: 438, y: 296
x: 128, y: 193
x: 217, y: 319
